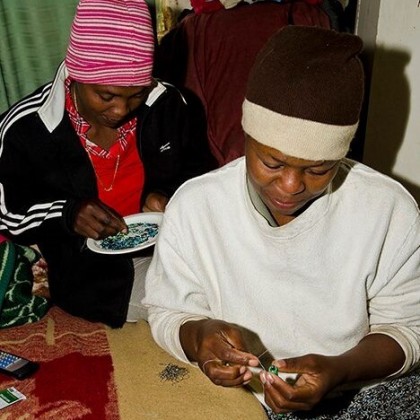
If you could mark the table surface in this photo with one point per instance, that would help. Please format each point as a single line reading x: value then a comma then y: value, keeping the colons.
x: 138, y: 364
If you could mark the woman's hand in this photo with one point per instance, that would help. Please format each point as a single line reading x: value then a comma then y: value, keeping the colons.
x: 375, y: 356
x: 317, y: 376
x: 219, y: 350
x: 95, y: 220
x: 155, y: 202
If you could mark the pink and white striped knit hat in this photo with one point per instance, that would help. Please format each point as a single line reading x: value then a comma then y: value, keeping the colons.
x: 111, y: 43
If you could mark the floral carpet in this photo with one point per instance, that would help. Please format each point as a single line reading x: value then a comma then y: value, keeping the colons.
x: 75, y: 379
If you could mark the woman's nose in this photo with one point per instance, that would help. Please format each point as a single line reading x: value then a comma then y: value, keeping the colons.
x: 121, y: 108
x: 290, y: 181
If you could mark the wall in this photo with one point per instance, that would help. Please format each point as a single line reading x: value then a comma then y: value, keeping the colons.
x: 391, y: 31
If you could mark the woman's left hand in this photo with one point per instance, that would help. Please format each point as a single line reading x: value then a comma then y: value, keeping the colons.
x: 155, y: 202
x: 375, y: 356
x: 317, y: 376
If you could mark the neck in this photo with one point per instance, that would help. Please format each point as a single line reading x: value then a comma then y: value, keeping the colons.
x: 102, y: 136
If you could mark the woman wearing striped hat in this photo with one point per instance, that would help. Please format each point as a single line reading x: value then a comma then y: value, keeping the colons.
x: 102, y: 141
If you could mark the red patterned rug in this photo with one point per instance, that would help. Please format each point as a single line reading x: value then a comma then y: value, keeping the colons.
x: 75, y: 379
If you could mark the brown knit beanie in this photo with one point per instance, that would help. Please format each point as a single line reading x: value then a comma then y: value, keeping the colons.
x: 305, y: 92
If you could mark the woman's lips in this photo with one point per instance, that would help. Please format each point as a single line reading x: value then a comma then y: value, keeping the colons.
x: 285, y: 205
x: 112, y: 121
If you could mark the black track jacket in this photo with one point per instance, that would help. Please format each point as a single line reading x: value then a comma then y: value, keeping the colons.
x: 45, y: 172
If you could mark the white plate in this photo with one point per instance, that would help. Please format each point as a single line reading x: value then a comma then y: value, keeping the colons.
x: 151, y: 217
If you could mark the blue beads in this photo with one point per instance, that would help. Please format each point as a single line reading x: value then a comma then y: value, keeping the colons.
x: 138, y: 233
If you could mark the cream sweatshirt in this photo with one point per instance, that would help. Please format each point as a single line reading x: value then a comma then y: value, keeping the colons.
x: 347, y: 266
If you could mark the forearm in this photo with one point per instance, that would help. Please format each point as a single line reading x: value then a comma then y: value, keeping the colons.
x: 376, y: 356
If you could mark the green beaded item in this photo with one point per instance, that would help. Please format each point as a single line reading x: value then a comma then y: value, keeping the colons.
x: 273, y: 369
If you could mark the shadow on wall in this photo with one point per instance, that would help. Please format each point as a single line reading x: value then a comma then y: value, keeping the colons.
x: 413, y: 188
x: 388, y: 114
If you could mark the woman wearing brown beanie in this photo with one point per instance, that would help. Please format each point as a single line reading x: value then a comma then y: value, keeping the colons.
x: 295, y: 260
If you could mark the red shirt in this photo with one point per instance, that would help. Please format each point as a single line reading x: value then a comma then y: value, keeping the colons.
x: 119, y: 170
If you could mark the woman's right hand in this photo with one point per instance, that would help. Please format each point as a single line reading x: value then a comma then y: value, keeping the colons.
x: 155, y: 202
x: 96, y: 220
x: 219, y: 350
x: 318, y: 374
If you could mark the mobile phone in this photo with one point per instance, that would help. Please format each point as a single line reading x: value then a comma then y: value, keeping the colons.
x: 16, y: 366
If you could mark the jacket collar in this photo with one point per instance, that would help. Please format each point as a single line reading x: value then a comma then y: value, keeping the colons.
x: 52, y: 110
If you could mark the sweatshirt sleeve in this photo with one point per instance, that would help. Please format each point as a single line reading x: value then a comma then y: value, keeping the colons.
x: 43, y: 174
x: 395, y: 307
x: 32, y: 205
x: 173, y: 293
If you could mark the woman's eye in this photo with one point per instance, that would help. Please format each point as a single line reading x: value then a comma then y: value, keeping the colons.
x: 318, y: 172
x: 106, y: 98
x: 271, y: 165
x: 142, y: 95
x: 139, y: 99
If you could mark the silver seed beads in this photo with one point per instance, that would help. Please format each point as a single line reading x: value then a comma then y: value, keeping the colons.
x: 173, y: 373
